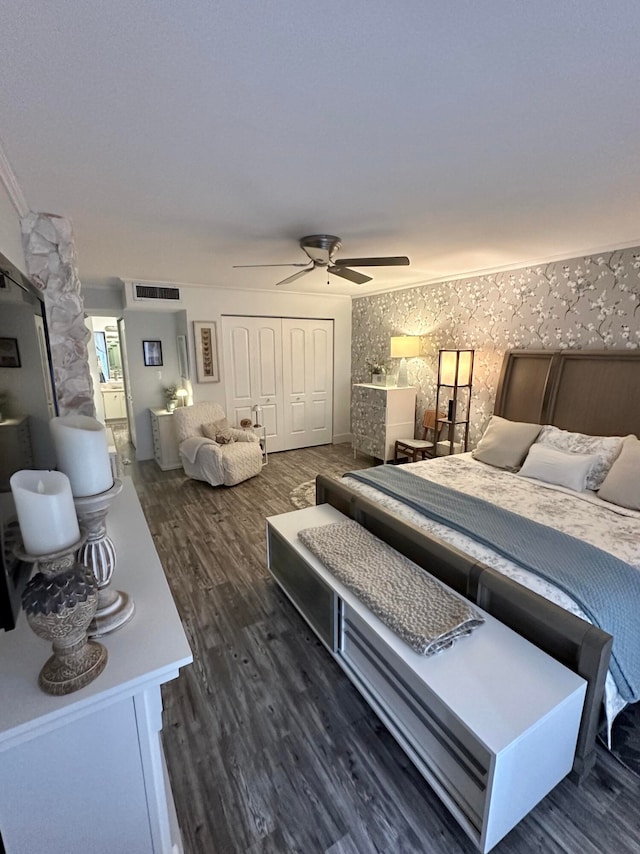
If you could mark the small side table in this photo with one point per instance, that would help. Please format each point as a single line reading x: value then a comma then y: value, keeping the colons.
x: 261, y: 432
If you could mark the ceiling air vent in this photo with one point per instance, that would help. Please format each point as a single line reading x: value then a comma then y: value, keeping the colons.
x: 155, y: 292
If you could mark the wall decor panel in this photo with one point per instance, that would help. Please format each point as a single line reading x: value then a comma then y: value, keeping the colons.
x: 591, y: 302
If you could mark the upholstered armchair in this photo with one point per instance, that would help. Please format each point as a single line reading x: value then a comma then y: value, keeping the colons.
x: 237, y: 455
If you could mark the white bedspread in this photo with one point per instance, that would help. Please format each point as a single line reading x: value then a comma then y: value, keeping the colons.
x: 583, y: 515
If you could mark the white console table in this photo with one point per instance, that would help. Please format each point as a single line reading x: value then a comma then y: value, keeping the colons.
x: 491, y: 723
x: 86, y: 772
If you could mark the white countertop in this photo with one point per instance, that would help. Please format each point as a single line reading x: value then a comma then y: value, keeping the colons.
x: 150, y: 649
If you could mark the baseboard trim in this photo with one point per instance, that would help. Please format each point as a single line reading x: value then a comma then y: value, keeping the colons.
x: 342, y: 438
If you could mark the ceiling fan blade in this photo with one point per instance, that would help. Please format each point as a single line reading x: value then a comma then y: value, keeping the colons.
x: 295, y: 276
x: 352, y: 275
x: 391, y: 261
x: 239, y: 266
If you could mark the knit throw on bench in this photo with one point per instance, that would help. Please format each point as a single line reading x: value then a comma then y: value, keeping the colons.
x: 419, y: 609
x: 605, y: 587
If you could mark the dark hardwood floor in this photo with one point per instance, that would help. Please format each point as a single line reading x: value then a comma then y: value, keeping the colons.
x: 269, y: 747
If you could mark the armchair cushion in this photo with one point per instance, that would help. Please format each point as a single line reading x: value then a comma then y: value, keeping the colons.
x: 190, y: 447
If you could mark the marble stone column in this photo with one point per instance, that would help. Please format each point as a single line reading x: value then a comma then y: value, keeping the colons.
x: 51, y: 264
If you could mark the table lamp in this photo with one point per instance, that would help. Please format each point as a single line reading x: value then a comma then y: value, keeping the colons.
x: 404, y: 347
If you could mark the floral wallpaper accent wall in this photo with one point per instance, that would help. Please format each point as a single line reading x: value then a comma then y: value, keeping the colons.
x: 583, y: 303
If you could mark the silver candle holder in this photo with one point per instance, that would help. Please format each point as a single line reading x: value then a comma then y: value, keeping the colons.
x: 60, y: 602
x: 98, y: 552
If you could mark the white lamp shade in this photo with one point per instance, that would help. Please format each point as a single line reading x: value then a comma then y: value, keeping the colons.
x: 405, y: 346
x: 449, y: 359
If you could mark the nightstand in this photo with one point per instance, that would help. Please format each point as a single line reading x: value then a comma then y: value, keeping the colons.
x: 165, y: 442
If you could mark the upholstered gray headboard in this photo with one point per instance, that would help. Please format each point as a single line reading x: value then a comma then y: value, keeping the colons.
x: 587, y: 391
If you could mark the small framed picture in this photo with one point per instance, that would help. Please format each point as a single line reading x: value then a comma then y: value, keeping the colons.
x: 9, y: 353
x: 152, y: 351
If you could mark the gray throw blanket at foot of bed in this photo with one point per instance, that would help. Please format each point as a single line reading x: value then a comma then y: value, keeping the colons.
x: 606, y: 588
x: 420, y: 610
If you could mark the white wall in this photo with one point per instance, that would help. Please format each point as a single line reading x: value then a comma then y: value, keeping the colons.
x: 148, y: 383
x: 199, y: 303
x: 10, y: 235
x: 211, y: 304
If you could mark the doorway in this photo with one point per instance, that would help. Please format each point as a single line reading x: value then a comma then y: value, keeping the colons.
x: 109, y: 371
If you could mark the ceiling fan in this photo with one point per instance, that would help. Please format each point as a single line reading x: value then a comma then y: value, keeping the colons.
x: 321, y: 249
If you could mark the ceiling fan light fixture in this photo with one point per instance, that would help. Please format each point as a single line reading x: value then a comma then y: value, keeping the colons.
x: 321, y: 248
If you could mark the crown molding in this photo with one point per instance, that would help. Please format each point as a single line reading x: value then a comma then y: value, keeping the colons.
x: 569, y: 255
x: 11, y: 185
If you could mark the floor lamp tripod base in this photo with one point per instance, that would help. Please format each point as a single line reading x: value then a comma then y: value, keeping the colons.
x: 115, y: 608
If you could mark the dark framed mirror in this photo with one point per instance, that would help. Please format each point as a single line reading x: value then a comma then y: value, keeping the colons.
x: 27, y: 403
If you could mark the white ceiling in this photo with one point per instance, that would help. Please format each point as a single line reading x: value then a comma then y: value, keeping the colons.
x: 185, y: 137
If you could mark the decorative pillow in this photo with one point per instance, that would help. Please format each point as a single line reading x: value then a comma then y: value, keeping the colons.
x: 622, y: 484
x: 219, y: 431
x: 505, y: 443
x: 606, y: 447
x: 553, y: 466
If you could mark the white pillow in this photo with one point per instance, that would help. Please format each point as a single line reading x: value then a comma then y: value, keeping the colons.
x: 553, y: 466
x: 622, y: 484
x: 606, y: 447
x: 505, y: 443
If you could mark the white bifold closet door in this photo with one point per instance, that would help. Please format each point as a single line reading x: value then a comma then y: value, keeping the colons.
x: 284, y: 365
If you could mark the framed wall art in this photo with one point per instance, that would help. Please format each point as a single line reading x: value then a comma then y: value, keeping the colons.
x: 152, y: 351
x: 9, y: 353
x: 206, y: 341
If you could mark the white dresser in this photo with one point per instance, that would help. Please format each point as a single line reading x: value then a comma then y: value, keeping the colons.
x: 165, y: 442
x: 86, y: 772
x: 379, y: 416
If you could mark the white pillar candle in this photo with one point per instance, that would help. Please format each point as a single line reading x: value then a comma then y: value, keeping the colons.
x: 83, y: 453
x: 45, y: 509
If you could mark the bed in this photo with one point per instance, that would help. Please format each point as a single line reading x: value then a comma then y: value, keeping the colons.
x: 589, y: 392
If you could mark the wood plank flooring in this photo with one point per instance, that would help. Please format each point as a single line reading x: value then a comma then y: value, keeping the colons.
x: 269, y: 747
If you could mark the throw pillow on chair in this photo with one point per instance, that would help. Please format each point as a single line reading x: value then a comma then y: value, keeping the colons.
x: 219, y: 431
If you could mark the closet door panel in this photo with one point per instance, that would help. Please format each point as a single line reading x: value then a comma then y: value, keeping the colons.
x: 267, y: 365
x: 298, y: 418
x: 320, y: 416
x: 308, y: 381
x: 285, y: 366
x: 253, y: 372
x: 322, y: 362
x: 240, y: 363
x: 296, y: 356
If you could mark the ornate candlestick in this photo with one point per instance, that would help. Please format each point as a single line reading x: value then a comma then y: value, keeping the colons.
x: 60, y: 601
x: 115, y: 608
